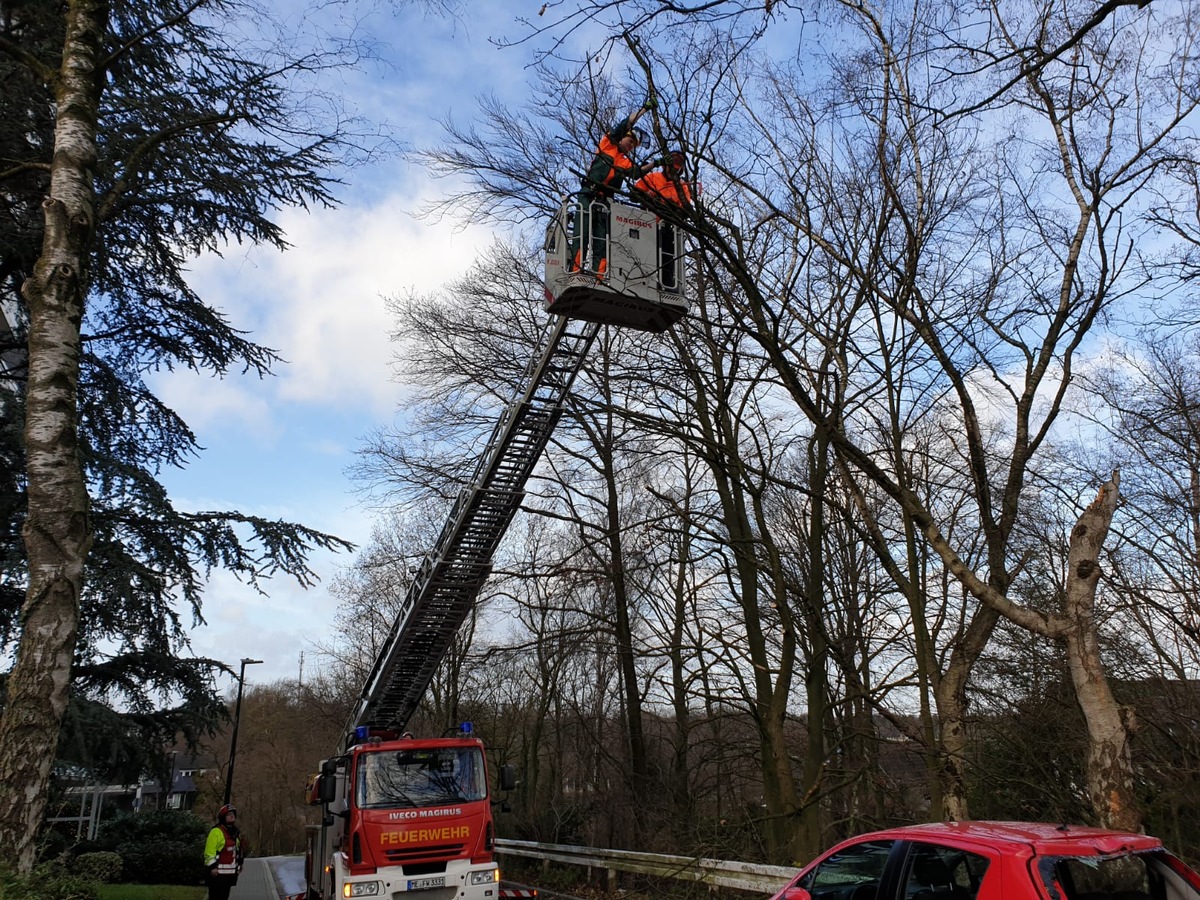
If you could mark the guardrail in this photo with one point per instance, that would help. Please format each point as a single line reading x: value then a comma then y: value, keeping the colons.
x: 713, y: 872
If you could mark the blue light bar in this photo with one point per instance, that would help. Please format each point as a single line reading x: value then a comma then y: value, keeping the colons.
x: 466, y: 727
x: 362, y: 732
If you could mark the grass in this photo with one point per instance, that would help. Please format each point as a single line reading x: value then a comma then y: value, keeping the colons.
x: 151, y: 892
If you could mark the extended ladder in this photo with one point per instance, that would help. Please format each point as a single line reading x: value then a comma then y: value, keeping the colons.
x: 445, y: 587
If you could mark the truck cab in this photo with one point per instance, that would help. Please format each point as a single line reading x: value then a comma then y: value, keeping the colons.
x: 401, y: 814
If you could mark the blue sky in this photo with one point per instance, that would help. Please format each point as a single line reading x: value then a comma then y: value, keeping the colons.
x: 280, y: 447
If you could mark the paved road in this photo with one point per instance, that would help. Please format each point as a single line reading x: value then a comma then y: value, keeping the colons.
x: 271, y: 878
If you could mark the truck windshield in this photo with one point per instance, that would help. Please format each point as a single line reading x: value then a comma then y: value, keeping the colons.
x: 1126, y: 876
x: 420, y: 777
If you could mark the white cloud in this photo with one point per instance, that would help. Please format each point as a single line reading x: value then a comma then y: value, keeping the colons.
x: 204, y: 400
x: 321, y: 306
x: 275, y: 628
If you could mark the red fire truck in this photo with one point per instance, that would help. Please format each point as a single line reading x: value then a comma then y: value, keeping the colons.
x: 402, y: 814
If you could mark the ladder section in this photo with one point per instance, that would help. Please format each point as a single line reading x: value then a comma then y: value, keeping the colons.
x: 445, y: 587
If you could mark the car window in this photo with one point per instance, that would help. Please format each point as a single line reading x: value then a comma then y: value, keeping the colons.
x: 932, y: 872
x: 1126, y: 876
x: 850, y: 874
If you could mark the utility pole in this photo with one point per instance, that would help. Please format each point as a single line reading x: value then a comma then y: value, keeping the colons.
x: 237, y: 717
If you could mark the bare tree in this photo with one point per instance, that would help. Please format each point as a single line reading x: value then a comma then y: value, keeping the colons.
x: 284, y: 730
x: 922, y: 239
x: 1150, y: 409
x: 988, y: 329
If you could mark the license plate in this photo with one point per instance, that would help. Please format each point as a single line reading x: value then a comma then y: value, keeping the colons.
x: 424, y: 884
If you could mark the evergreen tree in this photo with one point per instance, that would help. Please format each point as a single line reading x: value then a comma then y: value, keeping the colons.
x: 133, y: 136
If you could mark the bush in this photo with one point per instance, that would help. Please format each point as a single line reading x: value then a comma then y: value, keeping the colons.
x: 163, y: 862
x: 45, y: 884
x: 162, y: 847
x: 103, y: 866
x: 162, y: 824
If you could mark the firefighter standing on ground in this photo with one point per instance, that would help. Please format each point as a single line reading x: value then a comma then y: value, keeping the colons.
x: 657, y: 189
x: 223, y: 854
x: 609, y: 169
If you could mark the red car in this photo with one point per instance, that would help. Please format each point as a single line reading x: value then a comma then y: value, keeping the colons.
x: 995, y: 861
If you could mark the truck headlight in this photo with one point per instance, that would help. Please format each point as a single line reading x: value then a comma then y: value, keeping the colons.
x: 485, y: 877
x: 360, y: 889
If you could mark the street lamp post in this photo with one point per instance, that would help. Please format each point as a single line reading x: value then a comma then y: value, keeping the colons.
x: 237, y: 717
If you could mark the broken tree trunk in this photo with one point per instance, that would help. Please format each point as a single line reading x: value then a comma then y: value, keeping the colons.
x: 1109, y: 767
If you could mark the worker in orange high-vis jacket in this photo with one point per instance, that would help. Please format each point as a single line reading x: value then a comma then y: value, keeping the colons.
x: 611, y: 165
x: 664, y: 186
x: 659, y: 189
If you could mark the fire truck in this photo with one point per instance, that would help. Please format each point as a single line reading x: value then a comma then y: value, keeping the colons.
x: 402, y: 815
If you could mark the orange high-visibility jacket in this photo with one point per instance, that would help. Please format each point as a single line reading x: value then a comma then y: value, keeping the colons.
x: 660, y: 187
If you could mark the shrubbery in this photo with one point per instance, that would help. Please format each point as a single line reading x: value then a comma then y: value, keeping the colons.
x: 102, y: 865
x: 163, y: 862
x: 162, y: 847
x: 46, y: 883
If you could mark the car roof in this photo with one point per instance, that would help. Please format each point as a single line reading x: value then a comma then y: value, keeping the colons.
x: 1045, y: 838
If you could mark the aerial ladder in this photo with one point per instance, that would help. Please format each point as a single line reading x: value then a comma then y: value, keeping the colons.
x: 444, y: 589
x: 641, y: 289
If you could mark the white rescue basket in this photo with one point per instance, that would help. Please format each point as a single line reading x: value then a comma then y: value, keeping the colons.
x: 641, y: 285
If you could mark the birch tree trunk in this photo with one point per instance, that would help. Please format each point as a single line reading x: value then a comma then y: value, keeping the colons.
x: 1110, y: 782
x: 57, y: 530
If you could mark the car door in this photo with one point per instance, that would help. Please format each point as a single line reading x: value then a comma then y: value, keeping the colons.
x: 936, y: 871
x: 855, y: 872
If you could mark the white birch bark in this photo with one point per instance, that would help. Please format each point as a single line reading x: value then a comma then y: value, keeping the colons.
x: 57, y: 530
